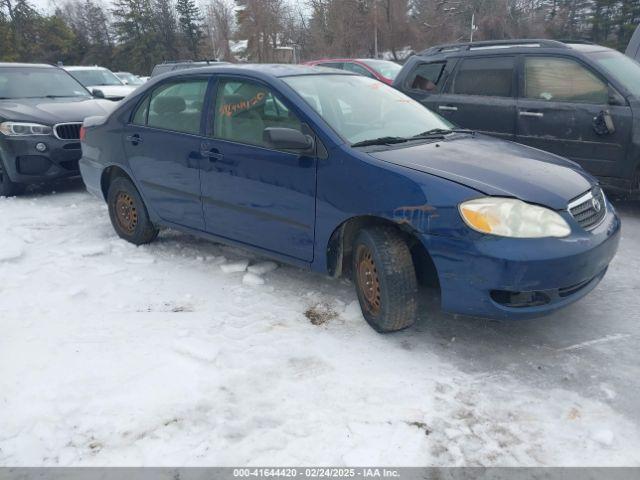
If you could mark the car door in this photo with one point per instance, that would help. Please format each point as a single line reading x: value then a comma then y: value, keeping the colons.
x: 558, y: 109
x: 162, y: 144
x: 251, y: 192
x: 481, y: 95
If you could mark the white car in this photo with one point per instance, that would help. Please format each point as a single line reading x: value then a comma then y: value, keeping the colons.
x: 129, y: 78
x: 101, y: 81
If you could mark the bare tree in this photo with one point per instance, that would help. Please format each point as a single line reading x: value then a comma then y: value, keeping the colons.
x: 220, y: 23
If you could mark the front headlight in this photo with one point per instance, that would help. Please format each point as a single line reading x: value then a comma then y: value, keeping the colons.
x: 509, y: 217
x: 18, y: 129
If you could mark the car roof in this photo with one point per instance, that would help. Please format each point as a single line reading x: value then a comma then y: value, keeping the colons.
x: 509, y: 46
x: 35, y: 65
x: 327, y: 60
x: 273, y: 70
x: 83, y: 67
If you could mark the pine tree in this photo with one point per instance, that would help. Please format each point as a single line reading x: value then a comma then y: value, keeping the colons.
x: 165, y: 20
x: 139, y: 48
x: 189, y: 22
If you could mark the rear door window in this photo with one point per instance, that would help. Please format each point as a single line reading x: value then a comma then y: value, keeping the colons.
x: 486, y: 76
x: 354, y: 67
x: 427, y: 77
x: 338, y: 65
x: 178, y: 106
x: 140, y: 115
x: 556, y: 79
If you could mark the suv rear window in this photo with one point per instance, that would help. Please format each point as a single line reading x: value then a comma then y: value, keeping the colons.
x: 488, y: 76
x: 562, y: 80
x: 427, y: 77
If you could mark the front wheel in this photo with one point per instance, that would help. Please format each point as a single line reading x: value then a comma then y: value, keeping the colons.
x: 385, y: 279
x: 635, y: 185
x: 128, y: 213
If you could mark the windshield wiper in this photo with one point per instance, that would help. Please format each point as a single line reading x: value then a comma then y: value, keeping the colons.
x: 380, y: 141
x: 443, y: 131
x: 433, y: 133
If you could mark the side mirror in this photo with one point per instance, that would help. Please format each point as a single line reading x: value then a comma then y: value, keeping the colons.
x: 98, y: 93
x: 288, y: 139
x: 615, y: 98
x: 603, y: 123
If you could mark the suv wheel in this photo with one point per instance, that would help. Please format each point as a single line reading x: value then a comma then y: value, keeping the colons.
x: 128, y: 213
x: 385, y: 279
x: 7, y: 187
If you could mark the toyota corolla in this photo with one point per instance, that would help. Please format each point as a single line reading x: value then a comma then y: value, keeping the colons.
x: 342, y: 174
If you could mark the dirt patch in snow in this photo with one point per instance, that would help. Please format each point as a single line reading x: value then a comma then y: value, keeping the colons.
x: 320, y: 314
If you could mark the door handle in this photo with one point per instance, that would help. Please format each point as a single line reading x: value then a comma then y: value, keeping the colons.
x: 210, y: 152
x: 448, y: 108
x: 527, y: 113
x: 135, y: 139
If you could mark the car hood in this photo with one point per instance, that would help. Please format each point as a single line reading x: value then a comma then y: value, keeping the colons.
x: 53, y: 110
x: 497, y: 167
x: 113, y: 91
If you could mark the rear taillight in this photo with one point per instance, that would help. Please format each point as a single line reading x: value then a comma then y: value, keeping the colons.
x: 82, y: 133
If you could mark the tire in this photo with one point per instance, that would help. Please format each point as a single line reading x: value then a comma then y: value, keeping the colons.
x: 385, y: 279
x: 7, y: 187
x: 128, y: 213
x: 635, y: 185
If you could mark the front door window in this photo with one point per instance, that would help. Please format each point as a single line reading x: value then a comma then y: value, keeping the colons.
x: 556, y: 79
x: 244, y: 109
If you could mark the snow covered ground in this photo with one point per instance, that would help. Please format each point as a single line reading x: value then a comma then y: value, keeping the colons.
x: 185, y: 352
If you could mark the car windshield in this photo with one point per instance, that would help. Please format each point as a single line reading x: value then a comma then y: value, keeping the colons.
x: 361, y: 109
x: 385, y: 68
x: 622, y: 68
x: 96, y: 77
x: 33, y: 82
x: 130, y: 78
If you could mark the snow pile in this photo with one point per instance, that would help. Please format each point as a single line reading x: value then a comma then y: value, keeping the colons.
x: 235, y: 267
x: 11, y: 247
x: 168, y: 354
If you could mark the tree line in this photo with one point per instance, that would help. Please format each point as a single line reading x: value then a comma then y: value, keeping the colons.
x: 135, y: 35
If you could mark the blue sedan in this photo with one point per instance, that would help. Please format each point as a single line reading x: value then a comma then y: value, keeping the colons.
x: 341, y: 174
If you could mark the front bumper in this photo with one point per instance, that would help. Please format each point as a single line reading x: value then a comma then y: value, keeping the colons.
x: 496, y: 277
x: 24, y: 164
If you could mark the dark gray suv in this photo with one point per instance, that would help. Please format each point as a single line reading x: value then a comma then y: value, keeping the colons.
x: 577, y: 100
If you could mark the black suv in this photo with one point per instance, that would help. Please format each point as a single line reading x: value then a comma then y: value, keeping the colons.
x: 41, y: 111
x: 577, y: 100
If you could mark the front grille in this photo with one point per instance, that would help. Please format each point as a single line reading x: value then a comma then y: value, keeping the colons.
x: 589, y: 209
x: 67, y: 131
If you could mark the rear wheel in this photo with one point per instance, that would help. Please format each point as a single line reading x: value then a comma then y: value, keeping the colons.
x: 7, y: 187
x: 128, y: 213
x: 385, y: 279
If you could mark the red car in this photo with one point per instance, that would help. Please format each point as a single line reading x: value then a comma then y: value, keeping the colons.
x: 382, y: 70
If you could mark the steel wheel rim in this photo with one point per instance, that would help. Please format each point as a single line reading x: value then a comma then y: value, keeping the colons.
x: 126, y: 213
x: 368, y: 280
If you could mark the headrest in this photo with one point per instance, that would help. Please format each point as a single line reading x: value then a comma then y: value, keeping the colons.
x: 169, y: 105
